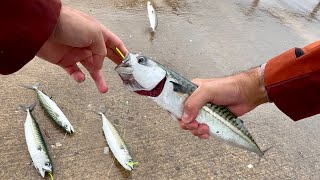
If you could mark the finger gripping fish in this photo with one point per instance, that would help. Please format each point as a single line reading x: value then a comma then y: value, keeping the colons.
x: 170, y: 90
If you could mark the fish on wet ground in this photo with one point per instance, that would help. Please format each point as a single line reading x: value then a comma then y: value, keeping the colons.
x: 52, y: 109
x: 116, y: 143
x: 36, y: 145
x: 152, y: 16
x: 170, y: 90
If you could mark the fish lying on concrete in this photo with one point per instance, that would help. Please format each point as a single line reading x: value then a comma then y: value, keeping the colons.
x: 152, y: 16
x: 170, y: 90
x: 52, y: 109
x: 36, y: 144
x: 116, y: 144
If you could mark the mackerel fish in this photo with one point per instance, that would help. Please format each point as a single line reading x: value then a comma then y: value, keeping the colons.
x: 169, y: 90
x: 152, y: 16
x: 116, y: 144
x: 52, y: 109
x: 36, y: 144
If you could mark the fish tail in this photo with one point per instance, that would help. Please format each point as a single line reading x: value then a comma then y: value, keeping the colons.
x: 28, y: 107
x: 102, y: 110
x: 263, y: 153
x: 33, y: 87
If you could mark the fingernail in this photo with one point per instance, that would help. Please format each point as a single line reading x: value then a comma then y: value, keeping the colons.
x: 186, y: 118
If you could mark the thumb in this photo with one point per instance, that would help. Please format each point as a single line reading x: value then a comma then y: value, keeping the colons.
x: 194, y: 103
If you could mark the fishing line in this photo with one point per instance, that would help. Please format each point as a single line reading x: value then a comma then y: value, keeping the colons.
x: 120, y: 53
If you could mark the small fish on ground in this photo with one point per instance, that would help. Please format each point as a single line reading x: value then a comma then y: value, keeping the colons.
x: 36, y: 145
x: 116, y: 144
x: 152, y: 16
x: 169, y: 90
x: 52, y: 109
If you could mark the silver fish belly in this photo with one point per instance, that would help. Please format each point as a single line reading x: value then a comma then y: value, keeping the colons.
x: 116, y: 144
x: 36, y: 145
x: 52, y: 109
x: 152, y: 16
x: 223, y: 125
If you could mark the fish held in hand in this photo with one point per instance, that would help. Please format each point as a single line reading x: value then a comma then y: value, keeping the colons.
x: 170, y: 90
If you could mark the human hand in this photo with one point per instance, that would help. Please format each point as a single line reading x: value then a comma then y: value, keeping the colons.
x: 240, y: 93
x: 80, y: 38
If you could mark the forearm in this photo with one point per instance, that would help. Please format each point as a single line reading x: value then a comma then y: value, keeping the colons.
x: 27, y: 24
x: 250, y: 87
x: 292, y: 81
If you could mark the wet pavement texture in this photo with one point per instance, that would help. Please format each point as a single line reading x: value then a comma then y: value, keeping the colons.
x: 197, y: 39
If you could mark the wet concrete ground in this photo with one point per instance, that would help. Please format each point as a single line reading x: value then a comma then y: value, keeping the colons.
x: 197, y: 39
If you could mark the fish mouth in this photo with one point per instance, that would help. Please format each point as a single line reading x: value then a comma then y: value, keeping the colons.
x: 155, y: 92
x: 125, y: 72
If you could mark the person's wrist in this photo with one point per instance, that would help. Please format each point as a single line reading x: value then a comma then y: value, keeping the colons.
x: 252, y: 88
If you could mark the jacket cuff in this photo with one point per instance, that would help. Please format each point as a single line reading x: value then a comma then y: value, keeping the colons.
x: 292, y: 81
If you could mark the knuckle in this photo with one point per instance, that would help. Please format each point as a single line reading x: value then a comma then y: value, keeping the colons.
x: 197, y: 81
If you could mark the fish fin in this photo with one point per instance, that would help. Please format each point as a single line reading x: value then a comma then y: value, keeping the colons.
x: 264, y: 152
x: 33, y: 87
x: 180, y: 88
x: 47, y: 94
x: 28, y: 107
x: 262, y: 155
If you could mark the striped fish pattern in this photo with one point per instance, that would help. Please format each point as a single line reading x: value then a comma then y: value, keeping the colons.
x: 52, y: 109
x: 116, y: 144
x: 170, y: 90
x: 36, y: 145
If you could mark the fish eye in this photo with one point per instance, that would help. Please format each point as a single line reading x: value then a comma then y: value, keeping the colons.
x: 65, y: 126
x: 141, y: 60
x: 47, y: 164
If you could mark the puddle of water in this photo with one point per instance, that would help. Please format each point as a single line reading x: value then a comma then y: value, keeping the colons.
x: 302, y: 16
x: 307, y: 9
x: 159, y: 5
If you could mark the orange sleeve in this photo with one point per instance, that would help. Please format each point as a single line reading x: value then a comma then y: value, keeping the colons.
x: 292, y: 81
